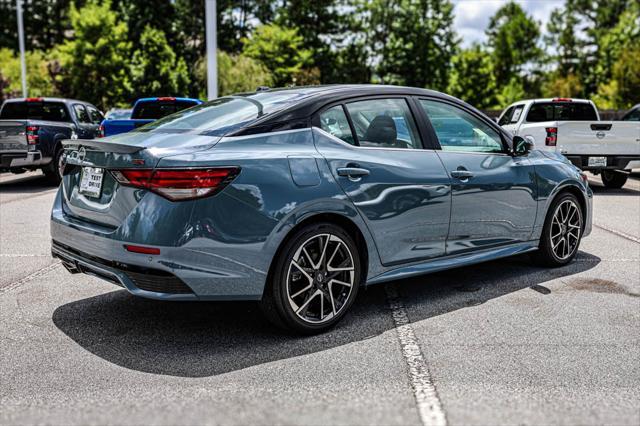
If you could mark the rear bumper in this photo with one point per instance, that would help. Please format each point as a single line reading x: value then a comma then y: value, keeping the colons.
x: 614, y: 162
x: 17, y: 160
x: 189, y: 272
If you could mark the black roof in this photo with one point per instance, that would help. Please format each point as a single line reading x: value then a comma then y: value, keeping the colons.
x: 314, y: 98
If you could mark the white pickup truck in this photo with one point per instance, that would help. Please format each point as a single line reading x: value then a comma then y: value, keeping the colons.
x: 573, y: 128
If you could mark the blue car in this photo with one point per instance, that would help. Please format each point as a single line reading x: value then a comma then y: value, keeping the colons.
x: 299, y: 197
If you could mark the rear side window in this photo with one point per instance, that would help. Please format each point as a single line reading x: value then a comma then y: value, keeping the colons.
x: 633, y: 115
x: 561, y: 111
x: 81, y: 113
x: 155, y: 110
x: 384, y: 123
x: 46, y: 111
x: 506, y: 117
x: 335, y: 122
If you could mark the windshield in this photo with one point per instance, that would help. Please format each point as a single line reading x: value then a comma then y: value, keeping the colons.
x: 46, y: 111
x: 223, y: 115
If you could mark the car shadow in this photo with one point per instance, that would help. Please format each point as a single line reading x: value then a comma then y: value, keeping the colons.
x: 205, y: 339
x: 30, y: 183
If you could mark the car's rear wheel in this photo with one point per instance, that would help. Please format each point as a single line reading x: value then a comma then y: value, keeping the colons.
x: 562, y: 232
x: 53, y: 171
x: 315, y: 279
x: 613, y: 178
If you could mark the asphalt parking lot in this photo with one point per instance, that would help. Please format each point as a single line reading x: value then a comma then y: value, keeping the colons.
x: 498, y: 343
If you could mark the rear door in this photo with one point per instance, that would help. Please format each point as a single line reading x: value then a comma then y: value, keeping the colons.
x: 374, y: 150
x: 493, y: 193
x: 86, y: 128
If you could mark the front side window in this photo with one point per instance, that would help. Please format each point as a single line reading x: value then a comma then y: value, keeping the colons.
x: 335, y: 122
x: 81, y: 113
x: 385, y: 123
x: 458, y: 130
x: 96, y: 116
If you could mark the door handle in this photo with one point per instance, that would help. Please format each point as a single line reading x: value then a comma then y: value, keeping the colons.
x: 461, y: 174
x: 352, y: 172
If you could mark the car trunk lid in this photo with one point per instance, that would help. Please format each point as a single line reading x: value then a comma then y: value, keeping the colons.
x: 108, y: 203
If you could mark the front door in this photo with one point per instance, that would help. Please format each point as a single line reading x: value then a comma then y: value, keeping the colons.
x: 493, y: 193
x: 402, y: 191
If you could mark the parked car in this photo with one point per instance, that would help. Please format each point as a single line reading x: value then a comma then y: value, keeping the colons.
x: 146, y: 110
x: 118, y: 114
x: 573, y: 128
x: 633, y: 114
x: 298, y: 197
x: 31, y: 131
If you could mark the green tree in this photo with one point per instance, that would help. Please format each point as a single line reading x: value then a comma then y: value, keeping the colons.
x: 280, y: 50
x: 155, y: 69
x: 511, y: 92
x: 38, y: 79
x: 565, y: 85
x: 512, y: 36
x: 321, y: 23
x: 564, y: 47
x: 140, y: 14
x: 472, y: 78
x: 410, y: 41
x: 239, y: 73
x: 94, y: 63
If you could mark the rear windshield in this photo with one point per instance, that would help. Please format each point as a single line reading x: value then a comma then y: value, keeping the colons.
x: 561, y: 111
x: 153, y: 110
x: 223, y: 115
x: 46, y: 111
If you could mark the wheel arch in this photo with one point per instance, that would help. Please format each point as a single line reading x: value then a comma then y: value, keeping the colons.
x: 574, y: 190
x: 337, y: 219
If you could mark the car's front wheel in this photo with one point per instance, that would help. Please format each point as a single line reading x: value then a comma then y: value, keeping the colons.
x: 613, y: 178
x: 562, y: 232
x: 315, y: 279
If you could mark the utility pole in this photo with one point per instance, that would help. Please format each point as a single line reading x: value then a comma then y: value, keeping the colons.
x: 23, y: 65
x: 212, y: 48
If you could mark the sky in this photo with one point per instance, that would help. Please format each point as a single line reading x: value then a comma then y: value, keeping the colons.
x: 472, y: 16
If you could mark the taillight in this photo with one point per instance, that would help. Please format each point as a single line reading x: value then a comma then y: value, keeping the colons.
x: 166, y: 99
x: 34, y: 99
x: 178, y: 184
x: 562, y: 100
x: 552, y: 136
x: 101, y: 131
x: 32, y: 135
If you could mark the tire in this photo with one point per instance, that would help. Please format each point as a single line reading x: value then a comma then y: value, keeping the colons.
x: 53, y: 171
x: 305, y: 292
x: 562, y: 232
x: 613, y: 179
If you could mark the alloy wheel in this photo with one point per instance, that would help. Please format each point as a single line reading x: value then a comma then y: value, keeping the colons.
x: 320, y: 278
x: 565, y: 229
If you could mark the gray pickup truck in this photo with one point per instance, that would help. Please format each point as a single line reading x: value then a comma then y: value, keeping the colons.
x: 31, y: 131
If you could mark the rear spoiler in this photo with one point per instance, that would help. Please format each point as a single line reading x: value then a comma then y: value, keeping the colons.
x: 101, y: 145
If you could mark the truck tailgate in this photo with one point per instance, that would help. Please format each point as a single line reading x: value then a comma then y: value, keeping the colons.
x: 599, y: 138
x: 12, y: 136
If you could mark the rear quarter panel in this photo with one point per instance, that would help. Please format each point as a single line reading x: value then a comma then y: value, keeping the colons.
x: 283, y: 181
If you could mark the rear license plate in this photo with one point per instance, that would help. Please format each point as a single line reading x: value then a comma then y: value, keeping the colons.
x: 91, y: 181
x: 597, y: 161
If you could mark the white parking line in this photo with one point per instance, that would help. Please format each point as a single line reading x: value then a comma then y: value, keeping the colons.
x: 427, y: 399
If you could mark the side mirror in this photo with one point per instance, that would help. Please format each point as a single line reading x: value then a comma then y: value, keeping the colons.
x: 521, y: 146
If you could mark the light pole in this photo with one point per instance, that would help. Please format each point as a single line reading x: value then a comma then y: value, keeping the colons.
x: 23, y: 65
x: 212, y: 59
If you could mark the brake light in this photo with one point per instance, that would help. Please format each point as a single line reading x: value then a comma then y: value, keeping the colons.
x: 178, y: 184
x: 32, y: 135
x: 101, y: 131
x: 142, y: 249
x: 34, y: 100
x: 552, y: 136
x: 562, y: 100
x: 166, y: 99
